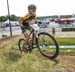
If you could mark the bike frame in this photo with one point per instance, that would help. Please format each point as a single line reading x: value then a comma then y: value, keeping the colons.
x: 34, y: 38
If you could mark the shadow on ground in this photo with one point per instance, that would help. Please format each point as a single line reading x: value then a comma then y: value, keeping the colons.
x: 14, y: 56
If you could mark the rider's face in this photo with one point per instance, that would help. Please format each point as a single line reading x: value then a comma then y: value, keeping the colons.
x: 32, y: 11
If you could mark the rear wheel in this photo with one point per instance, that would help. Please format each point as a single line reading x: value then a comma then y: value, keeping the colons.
x: 47, y: 45
x: 23, y: 47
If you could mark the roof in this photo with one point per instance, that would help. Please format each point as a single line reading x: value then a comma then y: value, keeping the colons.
x: 66, y: 19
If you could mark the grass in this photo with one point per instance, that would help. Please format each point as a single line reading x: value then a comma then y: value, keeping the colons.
x: 62, y: 40
x: 65, y: 40
x: 11, y: 60
x: 14, y: 61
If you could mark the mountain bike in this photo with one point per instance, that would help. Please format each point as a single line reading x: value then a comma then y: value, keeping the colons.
x: 45, y: 42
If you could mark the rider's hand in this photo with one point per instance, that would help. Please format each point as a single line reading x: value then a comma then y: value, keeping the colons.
x: 36, y: 22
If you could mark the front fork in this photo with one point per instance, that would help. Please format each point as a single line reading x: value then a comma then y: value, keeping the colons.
x: 34, y: 40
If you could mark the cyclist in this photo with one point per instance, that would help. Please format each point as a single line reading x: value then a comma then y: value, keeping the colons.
x: 24, y: 21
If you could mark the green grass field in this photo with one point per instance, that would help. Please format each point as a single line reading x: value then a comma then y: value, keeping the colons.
x: 11, y: 60
x: 65, y: 40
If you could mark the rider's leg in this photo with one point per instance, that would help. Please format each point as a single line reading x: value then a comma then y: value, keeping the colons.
x: 27, y: 41
x: 26, y: 35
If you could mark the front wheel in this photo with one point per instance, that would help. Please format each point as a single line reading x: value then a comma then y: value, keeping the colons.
x: 47, y: 45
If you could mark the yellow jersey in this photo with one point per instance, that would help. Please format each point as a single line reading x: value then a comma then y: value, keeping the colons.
x: 27, y: 18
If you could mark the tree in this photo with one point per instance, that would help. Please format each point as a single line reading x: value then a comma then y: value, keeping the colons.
x: 13, y: 17
x: 3, y: 18
x: 66, y: 16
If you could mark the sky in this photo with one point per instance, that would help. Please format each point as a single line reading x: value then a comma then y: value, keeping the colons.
x: 44, y: 7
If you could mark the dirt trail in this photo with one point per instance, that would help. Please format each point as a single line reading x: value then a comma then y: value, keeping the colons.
x: 8, y: 42
x: 68, y: 62
x: 65, y: 61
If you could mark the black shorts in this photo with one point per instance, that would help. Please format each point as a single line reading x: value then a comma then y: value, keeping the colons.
x: 26, y: 27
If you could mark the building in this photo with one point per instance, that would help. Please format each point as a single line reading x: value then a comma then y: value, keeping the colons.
x: 66, y: 22
x: 6, y: 23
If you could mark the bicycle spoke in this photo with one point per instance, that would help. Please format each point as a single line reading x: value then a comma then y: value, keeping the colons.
x: 47, y: 45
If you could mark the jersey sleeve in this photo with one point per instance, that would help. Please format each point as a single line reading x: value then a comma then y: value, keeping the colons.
x: 26, y: 17
x: 29, y: 17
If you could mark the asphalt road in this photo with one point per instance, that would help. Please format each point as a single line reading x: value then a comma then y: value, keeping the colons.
x: 58, y: 33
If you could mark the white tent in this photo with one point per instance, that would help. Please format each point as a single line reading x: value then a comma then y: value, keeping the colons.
x: 53, y: 24
x: 13, y: 23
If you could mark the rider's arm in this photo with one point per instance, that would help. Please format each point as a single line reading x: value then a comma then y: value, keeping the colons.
x: 20, y: 21
x: 26, y: 17
x: 35, y: 18
x: 36, y: 21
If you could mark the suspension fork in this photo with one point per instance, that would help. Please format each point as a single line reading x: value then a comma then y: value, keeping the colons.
x: 33, y: 35
x: 31, y: 44
x: 34, y: 40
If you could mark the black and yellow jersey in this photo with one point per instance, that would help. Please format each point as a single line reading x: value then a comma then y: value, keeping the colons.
x: 27, y: 18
